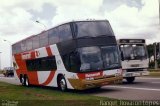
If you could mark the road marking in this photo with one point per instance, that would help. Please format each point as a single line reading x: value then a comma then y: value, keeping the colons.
x: 147, y: 78
x: 148, y: 89
x: 156, y: 82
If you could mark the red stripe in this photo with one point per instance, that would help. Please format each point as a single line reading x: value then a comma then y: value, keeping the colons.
x: 49, y: 51
x: 51, y: 75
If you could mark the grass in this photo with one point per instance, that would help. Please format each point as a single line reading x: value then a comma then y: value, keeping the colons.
x: 154, y: 70
x: 154, y: 74
x: 1, y: 72
x: 15, y: 95
x: 37, y: 96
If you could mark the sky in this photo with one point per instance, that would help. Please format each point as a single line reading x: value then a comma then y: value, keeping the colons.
x: 128, y: 18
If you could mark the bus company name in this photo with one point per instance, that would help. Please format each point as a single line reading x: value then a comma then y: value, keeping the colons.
x: 92, y: 75
x: 26, y: 56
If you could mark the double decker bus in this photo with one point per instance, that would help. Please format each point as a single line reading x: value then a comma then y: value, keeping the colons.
x: 134, y: 58
x: 74, y: 55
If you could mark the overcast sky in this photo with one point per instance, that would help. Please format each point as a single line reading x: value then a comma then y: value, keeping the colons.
x: 128, y: 18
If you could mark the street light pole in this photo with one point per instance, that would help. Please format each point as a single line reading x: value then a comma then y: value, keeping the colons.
x: 0, y: 60
x: 159, y: 12
x: 41, y: 24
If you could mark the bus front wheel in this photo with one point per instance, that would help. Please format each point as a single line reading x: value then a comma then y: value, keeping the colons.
x: 62, y: 85
x: 130, y: 79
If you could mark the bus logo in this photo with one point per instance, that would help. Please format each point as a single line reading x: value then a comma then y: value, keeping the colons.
x: 37, y: 53
x: 26, y: 56
x: 92, y: 75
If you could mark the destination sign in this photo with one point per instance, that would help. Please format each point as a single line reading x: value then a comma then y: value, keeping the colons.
x: 132, y: 41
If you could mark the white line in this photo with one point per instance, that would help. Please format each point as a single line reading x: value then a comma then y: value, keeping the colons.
x: 149, y: 89
x: 156, y: 82
x: 147, y: 78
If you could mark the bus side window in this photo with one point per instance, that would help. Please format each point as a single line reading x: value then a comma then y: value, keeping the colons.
x: 43, y: 39
x: 53, y: 36
x: 35, y: 42
x: 42, y: 64
x: 75, y: 62
x: 23, y: 45
x: 66, y: 62
x: 29, y: 44
x: 64, y: 32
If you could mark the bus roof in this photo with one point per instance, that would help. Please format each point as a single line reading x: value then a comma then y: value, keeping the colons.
x: 88, y: 20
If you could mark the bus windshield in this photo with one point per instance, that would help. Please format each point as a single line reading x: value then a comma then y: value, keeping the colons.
x: 99, y: 58
x: 93, y: 29
x: 133, y: 52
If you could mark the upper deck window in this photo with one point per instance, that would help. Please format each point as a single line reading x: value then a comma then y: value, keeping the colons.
x: 93, y: 29
x: 60, y: 33
x: 53, y: 36
x: 64, y: 32
x: 43, y: 39
x: 29, y: 43
x: 23, y: 46
x: 35, y: 41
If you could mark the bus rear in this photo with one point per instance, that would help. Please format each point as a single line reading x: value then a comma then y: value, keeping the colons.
x: 134, y: 58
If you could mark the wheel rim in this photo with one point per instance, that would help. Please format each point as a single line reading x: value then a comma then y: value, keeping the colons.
x: 26, y: 81
x: 63, y: 84
x: 22, y: 81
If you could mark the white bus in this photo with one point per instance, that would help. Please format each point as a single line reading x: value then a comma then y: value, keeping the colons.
x: 134, y: 58
x: 73, y: 55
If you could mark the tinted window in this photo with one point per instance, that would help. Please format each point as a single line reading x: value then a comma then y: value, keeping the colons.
x: 72, y: 62
x: 93, y: 29
x: 42, y: 64
x: 75, y: 62
x: 110, y: 56
x: 43, y: 38
x: 16, y: 48
x: 53, y: 36
x: 64, y: 32
x: 90, y: 58
x: 29, y: 44
x: 35, y: 41
x: 23, y: 45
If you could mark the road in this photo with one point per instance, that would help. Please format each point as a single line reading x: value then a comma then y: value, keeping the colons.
x: 144, y: 88
x: 10, y: 80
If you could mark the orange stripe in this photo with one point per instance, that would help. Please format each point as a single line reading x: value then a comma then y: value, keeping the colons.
x: 51, y: 75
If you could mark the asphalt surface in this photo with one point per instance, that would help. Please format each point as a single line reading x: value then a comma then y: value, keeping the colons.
x: 141, y: 89
x: 144, y: 88
x: 10, y: 80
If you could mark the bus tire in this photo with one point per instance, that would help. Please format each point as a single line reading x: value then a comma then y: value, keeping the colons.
x: 22, y: 80
x: 130, y: 79
x: 62, y: 85
x: 27, y: 81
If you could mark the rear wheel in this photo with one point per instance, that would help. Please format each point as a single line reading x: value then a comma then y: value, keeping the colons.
x: 130, y: 79
x: 62, y: 85
x: 22, y: 80
x: 27, y: 81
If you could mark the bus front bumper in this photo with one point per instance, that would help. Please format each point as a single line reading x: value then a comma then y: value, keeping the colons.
x: 87, y: 84
x: 135, y: 74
